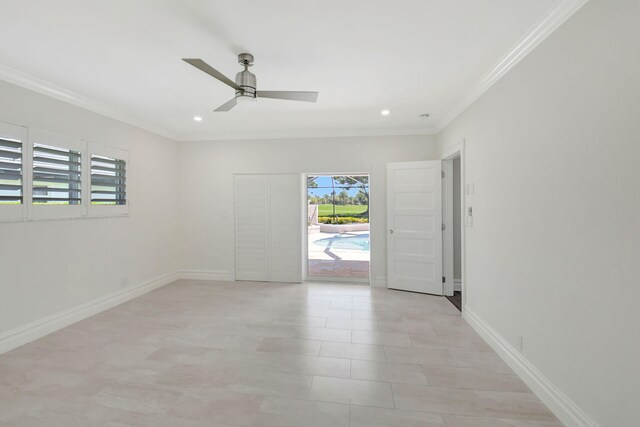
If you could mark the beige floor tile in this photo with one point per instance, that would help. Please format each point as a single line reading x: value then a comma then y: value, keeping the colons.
x: 464, y: 421
x: 474, y: 379
x: 408, y: 327
x: 363, y: 416
x: 218, y: 406
x: 501, y: 404
x: 406, y: 373
x: 290, y: 346
x: 196, y: 353
x: 136, y: 398
x: 277, y: 412
x: 471, y: 342
x: 437, y: 399
x: 357, y: 392
x: 377, y: 315
x: 324, y: 334
x: 352, y: 324
x: 478, y: 359
x: 381, y: 338
x: 424, y: 356
x: 312, y: 365
x: 352, y: 351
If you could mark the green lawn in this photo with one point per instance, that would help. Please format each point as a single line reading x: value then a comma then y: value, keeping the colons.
x: 327, y: 210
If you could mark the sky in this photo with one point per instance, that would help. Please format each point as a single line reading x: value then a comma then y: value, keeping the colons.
x: 324, y: 187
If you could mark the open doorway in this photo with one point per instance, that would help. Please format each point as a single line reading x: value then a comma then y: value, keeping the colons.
x: 456, y: 298
x: 338, y: 243
x: 453, y: 221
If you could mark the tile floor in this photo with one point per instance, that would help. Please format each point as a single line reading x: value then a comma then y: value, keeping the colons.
x: 256, y: 354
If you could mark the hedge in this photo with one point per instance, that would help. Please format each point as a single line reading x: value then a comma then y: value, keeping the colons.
x: 342, y: 220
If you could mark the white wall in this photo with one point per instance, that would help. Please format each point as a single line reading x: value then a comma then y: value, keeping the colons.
x: 50, y: 266
x: 207, y: 170
x: 553, y: 151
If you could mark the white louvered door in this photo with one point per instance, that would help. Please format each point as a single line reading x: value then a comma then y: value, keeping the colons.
x: 268, y: 227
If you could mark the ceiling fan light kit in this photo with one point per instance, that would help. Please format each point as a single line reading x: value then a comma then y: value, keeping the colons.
x: 245, y: 84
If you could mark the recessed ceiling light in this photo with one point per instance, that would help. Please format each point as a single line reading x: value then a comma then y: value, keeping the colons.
x: 197, y: 118
x: 385, y: 112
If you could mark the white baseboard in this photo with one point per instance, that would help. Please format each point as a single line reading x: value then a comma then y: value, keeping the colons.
x: 457, y: 285
x: 215, y: 275
x: 558, y: 402
x: 39, y: 328
x: 379, y: 282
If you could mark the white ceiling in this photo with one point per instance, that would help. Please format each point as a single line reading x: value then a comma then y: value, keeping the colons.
x: 410, y: 56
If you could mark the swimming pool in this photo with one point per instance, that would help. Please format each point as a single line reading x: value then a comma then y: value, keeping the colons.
x: 358, y: 242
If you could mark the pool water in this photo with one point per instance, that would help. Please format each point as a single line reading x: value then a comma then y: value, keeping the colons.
x: 358, y: 242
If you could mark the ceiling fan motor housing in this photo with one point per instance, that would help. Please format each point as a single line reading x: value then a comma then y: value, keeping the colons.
x: 247, y: 82
x: 246, y: 79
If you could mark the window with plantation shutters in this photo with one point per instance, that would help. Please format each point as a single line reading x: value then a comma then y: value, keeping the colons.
x: 11, y: 171
x: 57, y: 175
x: 108, y: 181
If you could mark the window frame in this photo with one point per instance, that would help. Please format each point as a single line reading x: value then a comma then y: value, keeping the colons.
x: 95, y: 149
x: 52, y: 211
x: 17, y: 212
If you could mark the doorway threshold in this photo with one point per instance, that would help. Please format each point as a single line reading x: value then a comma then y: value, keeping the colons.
x: 456, y: 300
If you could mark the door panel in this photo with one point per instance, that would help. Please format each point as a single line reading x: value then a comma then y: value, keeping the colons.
x: 251, y: 227
x: 414, y: 220
x: 285, y: 239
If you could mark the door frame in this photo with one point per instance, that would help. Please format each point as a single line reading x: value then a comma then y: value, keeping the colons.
x: 305, y: 233
x: 447, y: 158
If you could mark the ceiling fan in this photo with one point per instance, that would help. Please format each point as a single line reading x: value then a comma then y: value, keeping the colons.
x: 245, y: 84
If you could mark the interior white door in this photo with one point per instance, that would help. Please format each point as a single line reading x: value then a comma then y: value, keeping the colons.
x: 268, y: 227
x: 414, y: 226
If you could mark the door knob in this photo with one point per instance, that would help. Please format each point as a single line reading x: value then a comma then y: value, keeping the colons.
x: 390, y: 231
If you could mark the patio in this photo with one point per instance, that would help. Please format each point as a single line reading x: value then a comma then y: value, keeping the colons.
x: 338, y: 254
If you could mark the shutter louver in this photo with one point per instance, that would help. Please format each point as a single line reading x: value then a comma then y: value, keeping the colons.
x: 11, y: 172
x: 56, y: 175
x: 108, y: 181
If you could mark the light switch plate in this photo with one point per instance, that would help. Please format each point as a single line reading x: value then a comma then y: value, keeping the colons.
x: 470, y: 188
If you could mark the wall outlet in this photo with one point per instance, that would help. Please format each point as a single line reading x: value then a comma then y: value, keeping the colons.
x: 520, y: 344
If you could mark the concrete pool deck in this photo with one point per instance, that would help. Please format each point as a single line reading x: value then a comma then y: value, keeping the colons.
x: 337, y: 262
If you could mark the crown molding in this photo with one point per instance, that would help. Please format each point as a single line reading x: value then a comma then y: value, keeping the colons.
x: 557, y: 15
x: 36, y: 84
x: 305, y: 134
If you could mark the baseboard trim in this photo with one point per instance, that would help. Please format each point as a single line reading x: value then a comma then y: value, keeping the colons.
x: 39, y: 328
x: 559, y: 403
x: 214, y: 275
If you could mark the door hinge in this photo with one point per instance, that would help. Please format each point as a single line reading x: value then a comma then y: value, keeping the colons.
x: 443, y: 227
x: 443, y: 279
x: 442, y: 174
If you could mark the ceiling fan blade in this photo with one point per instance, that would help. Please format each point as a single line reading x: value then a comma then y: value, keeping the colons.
x: 203, y: 66
x: 227, y: 105
x: 288, y: 95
